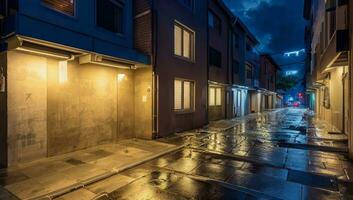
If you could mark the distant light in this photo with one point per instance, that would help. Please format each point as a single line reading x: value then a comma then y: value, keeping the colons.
x: 291, y: 99
x: 63, y: 72
x: 295, y: 53
x: 121, y: 77
x: 291, y: 72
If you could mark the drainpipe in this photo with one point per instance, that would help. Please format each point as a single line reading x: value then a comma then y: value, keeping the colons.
x: 344, y: 76
x: 155, y: 104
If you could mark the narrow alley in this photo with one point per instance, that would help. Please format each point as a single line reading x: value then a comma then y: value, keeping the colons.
x: 281, y: 154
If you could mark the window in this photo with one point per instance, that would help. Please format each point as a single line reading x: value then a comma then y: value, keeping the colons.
x: 236, y: 40
x: 188, y: 3
x: 183, y: 95
x: 110, y: 15
x: 65, y: 6
x: 215, y: 58
x: 184, y: 42
x: 332, y: 23
x: 215, y: 96
x: 235, y: 66
x: 249, y: 74
x: 214, y: 22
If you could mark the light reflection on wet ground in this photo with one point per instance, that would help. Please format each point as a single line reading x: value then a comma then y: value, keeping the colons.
x: 268, y: 156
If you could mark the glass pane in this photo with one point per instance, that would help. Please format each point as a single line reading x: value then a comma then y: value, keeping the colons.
x: 212, y: 97
x: 110, y: 16
x: 187, y: 46
x: 177, y: 94
x: 65, y: 6
x: 218, y: 96
x: 177, y: 40
x: 187, y: 95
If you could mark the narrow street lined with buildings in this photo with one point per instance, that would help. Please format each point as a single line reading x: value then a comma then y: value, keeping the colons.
x: 281, y: 154
x: 176, y: 99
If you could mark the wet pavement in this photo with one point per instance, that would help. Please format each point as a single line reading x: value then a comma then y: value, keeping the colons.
x: 281, y: 154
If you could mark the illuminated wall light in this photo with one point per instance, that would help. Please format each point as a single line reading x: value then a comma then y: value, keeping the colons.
x: 121, y: 77
x: 63, y: 72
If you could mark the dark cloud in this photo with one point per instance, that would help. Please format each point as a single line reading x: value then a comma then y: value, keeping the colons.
x: 278, y: 25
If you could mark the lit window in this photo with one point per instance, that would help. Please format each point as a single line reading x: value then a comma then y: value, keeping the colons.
x: 215, y: 96
x: 212, y: 97
x: 183, y: 42
x: 183, y: 95
x: 64, y: 6
x: 110, y: 15
x: 177, y: 40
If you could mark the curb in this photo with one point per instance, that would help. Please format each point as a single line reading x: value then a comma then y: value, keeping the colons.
x: 101, y: 177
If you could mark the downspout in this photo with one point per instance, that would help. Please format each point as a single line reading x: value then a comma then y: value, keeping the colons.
x: 207, y: 65
x: 155, y: 104
x: 344, y: 76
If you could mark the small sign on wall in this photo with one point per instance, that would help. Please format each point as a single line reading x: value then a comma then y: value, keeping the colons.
x: 2, y: 81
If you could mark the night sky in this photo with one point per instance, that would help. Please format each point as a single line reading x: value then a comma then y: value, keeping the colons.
x: 278, y: 25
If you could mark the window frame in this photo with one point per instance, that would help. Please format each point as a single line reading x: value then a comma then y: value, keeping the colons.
x: 192, y: 108
x: 192, y: 41
x: 215, y: 98
x: 119, y: 4
x: 59, y: 11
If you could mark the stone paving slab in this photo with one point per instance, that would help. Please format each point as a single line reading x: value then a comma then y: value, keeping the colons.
x: 54, y: 174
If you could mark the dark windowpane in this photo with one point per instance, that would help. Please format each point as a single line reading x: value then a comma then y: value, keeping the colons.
x: 188, y: 3
x: 214, y: 22
x: 235, y: 66
x: 215, y: 58
x: 236, y: 40
x: 249, y: 73
x: 110, y: 16
x: 64, y: 6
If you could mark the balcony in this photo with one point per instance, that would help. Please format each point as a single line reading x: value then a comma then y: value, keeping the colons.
x: 335, y: 53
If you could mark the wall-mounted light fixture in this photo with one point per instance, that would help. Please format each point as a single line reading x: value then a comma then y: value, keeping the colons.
x: 121, y: 77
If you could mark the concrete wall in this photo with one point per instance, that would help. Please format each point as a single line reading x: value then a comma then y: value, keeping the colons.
x: 143, y: 103
x: 27, y: 107
x: 332, y: 115
x: 48, y: 117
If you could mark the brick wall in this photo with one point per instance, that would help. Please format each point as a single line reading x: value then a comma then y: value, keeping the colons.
x: 143, y: 26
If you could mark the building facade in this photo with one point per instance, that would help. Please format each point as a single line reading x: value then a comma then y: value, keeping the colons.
x: 329, y: 86
x: 76, y: 74
x: 70, y: 79
x: 174, y: 34
x: 268, y: 77
x: 218, y: 62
